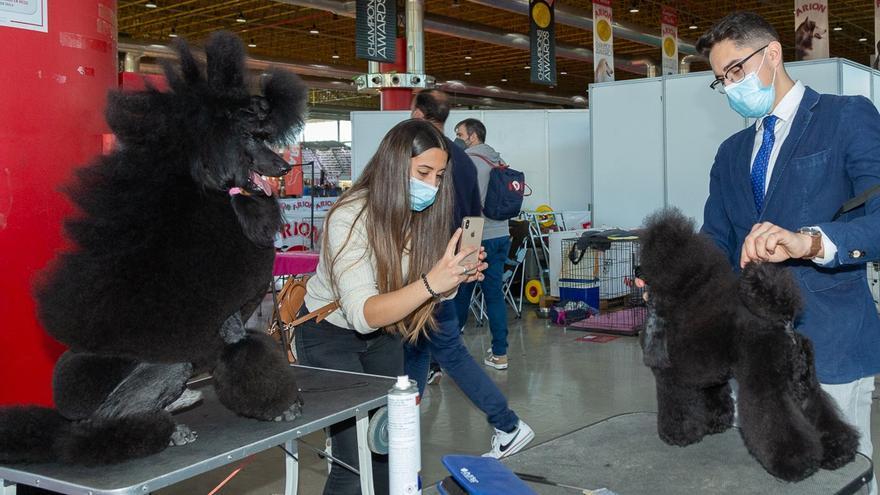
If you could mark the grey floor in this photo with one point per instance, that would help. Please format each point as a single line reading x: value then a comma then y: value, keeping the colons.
x: 554, y: 383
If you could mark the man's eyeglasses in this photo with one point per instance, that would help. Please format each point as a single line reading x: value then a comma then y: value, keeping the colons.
x: 735, y: 73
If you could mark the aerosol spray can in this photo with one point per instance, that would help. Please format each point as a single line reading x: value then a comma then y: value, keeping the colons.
x: 404, y: 438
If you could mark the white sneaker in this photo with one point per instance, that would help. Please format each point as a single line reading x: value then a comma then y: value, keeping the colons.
x: 505, y: 444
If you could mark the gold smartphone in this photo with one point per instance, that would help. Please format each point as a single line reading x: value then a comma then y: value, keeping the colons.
x: 471, y: 236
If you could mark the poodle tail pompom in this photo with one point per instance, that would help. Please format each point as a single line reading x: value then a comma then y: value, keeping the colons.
x: 769, y: 291
x: 29, y: 433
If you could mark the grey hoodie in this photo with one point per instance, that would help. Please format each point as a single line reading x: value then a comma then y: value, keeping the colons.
x: 492, y: 228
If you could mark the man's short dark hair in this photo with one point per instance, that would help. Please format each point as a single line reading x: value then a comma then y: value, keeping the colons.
x: 474, y: 126
x: 743, y: 28
x: 434, y: 104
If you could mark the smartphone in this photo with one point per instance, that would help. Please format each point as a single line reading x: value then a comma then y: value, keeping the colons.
x: 471, y: 236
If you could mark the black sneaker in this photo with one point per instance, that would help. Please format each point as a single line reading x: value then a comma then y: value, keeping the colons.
x: 434, y: 376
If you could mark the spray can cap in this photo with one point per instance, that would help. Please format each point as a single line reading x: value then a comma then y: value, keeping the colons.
x: 402, y: 382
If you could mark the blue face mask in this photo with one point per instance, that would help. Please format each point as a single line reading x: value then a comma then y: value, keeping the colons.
x: 421, y: 194
x: 460, y: 142
x: 748, y: 98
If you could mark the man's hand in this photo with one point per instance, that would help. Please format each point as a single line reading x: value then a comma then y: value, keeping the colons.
x: 768, y: 242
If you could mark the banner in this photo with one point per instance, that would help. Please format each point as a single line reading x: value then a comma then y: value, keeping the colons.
x: 26, y: 14
x: 603, y: 41
x: 875, y: 58
x: 542, y: 41
x: 669, y: 32
x: 811, y: 29
x: 297, y: 231
x: 376, y: 30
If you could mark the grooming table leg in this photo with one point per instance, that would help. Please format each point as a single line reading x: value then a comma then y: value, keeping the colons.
x: 291, y: 469
x: 364, y: 455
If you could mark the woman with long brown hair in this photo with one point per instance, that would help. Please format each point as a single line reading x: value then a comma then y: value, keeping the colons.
x: 387, y: 259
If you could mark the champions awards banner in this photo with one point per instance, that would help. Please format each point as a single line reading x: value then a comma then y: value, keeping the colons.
x: 811, y: 29
x: 603, y: 41
x: 542, y: 41
x: 669, y: 33
x: 376, y: 30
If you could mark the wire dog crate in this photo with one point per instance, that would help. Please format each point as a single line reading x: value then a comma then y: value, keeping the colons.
x: 604, y: 278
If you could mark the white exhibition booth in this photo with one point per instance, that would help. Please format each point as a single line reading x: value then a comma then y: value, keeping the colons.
x: 552, y: 148
x: 654, y: 140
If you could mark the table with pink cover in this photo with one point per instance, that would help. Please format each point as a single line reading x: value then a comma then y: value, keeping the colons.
x: 295, y: 263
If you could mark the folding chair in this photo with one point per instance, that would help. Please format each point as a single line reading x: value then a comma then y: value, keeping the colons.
x: 513, y: 269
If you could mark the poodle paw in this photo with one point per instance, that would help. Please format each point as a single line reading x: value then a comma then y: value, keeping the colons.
x: 839, y: 452
x: 292, y: 412
x: 182, y: 435
x: 793, y: 468
x: 187, y: 398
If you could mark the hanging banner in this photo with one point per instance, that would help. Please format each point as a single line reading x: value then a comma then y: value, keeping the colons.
x: 811, y: 29
x: 297, y: 230
x: 603, y: 41
x: 875, y: 58
x: 669, y: 32
x: 376, y: 30
x: 542, y: 41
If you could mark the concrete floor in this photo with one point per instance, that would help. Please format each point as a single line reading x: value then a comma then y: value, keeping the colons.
x: 554, y: 383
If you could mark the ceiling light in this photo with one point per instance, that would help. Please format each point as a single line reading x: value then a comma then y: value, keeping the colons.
x: 838, y: 28
x: 527, y: 67
x: 335, y: 55
x: 173, y: 33
x: 240, y: 18
x: 467, y: 72
x: 863, y: 39
x: 150, y: 5
x: 252, y: 44
x: 693, y: 26
x: 314, y: 30
x: 468, y: 56
x: 563, y: 73
x: 634, y: 10
x: 503, y: 78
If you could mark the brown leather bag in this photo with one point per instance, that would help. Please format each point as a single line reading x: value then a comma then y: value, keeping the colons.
x: 288, y: 304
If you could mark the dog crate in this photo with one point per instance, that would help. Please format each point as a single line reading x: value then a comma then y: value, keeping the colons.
x: 604, y: 278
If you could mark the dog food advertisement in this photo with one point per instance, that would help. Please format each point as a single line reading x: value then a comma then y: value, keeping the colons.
x: 297, y: 231
x: 669, y: 32
x: 603, y: 41
x: 811, y: 29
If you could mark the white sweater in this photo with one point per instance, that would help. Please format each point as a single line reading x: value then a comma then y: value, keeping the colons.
x: 355, y: 270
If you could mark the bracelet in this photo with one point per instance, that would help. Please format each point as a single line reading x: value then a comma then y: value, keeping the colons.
x: 428, y: 287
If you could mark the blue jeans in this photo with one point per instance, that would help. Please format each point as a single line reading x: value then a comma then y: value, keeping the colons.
x: 446, y: 346
x: 497, y: 250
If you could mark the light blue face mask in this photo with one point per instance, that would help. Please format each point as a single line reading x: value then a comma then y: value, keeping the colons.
x: 421, y: 194
x: 748, y: 98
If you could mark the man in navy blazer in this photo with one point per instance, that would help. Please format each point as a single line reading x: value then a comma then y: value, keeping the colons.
x: 774, y: 190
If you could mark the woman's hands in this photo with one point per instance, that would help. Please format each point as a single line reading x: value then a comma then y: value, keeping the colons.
x: 448, y: 273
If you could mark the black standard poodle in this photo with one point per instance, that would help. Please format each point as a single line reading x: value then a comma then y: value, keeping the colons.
x: 172, y: 251
x: 707, y: 325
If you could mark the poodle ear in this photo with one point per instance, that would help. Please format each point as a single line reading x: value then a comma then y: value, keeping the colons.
x: 226, y: 70
x: 189, y: 73
x: 769, y: 291
x: 287, y: 97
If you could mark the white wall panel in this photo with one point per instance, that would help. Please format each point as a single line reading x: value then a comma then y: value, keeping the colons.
x: 627, y: 135
x: 698, y: 120
x: 569, y: 169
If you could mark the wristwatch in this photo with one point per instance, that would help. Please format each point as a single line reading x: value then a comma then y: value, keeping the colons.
x: 816, y: 237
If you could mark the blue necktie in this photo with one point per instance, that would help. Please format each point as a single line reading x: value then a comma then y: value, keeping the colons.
x: 762, y: 160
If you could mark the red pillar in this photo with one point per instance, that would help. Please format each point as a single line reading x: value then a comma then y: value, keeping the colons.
x: 396, y: 98
x: 53, y: 88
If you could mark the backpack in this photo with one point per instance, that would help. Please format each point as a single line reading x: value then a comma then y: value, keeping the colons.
x: 504, y: 196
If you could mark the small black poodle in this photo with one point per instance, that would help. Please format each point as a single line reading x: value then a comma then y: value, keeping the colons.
x: 173, y: 250
x: 707, y: 325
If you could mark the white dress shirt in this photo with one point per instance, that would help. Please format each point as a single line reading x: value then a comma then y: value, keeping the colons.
x: 785, y: 112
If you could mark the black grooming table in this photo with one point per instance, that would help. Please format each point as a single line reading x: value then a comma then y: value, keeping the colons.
x: 624, y: 454
x: 223, y: 438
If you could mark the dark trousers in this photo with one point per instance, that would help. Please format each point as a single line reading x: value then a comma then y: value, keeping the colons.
x: 445, y: 345
x: 327, y: 346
